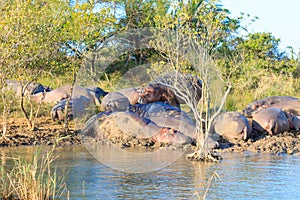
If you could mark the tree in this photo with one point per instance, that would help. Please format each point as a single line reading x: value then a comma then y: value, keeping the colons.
x: 29, y: 36
x: 179, y: 50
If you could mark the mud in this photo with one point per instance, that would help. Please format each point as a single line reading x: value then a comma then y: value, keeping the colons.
x: 46, y: 132
x: 50, y: 133
x: 284, y: 143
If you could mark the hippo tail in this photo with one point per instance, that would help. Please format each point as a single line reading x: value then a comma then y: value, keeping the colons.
x: 245, y: 133
x: 54, y: 115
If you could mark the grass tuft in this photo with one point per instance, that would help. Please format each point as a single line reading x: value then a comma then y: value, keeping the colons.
x: 35, y: 179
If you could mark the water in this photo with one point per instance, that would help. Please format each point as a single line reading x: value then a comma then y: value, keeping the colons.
x: 242, y: 176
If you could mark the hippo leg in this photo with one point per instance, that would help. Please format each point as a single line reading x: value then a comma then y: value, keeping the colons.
x: 271, y: 127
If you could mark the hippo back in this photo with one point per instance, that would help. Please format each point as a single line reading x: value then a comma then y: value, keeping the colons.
x: 159, y: 110
x: 232, y: 126
x: 270, y: 120
x: 31, y: 89
x: 115, y: 101
x: 287, y: 103
x: 132, y: 94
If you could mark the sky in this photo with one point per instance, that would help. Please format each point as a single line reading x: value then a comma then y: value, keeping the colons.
x: 281, y: 18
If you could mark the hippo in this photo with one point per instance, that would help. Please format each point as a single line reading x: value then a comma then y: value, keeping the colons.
x: 85, y: 95
x: 157, y: 92
x: 115, y: 101
x: 53, y: 96
x: 294, y: 121
x: 99, y: 92
x: 81, y: 99
x: 133, y: 125
x: 270, y: 120
x: 163, y: 114
x: 132, y: 94
x: 169, y: 116
x: 185, y: 85
x: 231, y: 126
x: 75, y: 108
x: 31, y: 89
x: 287, y: 103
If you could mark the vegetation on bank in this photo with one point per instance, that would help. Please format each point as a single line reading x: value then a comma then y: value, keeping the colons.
x: 32, y: 179
x: 48, y: 41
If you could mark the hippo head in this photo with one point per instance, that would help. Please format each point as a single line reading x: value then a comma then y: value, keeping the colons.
x: 255, y: 107
x: 158, y: 93
x: 171, y: 136
x: 294, y: 121
x: 99, y: 92
x: 250, y: 109
x: 151, y: 94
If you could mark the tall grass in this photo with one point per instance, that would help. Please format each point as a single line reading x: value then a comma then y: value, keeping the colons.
x: 36, y: 179
x: 266, y: 85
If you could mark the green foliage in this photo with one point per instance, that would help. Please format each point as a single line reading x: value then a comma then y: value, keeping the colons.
x: 46, y: 41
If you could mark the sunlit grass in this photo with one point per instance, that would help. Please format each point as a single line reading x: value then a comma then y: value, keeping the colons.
x: 267, y: 85
x: 34, y: 179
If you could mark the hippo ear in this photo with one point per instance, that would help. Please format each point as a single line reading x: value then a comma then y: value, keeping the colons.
x: 163, y: 130
x: 172, y: 131
x: 166, y: 130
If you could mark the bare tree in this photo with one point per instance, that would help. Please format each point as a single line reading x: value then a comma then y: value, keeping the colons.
x: 5, y: 104
x: 33, y: 112
x: 179, y: 51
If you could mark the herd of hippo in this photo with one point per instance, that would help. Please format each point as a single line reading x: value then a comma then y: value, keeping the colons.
x: 153, y: 112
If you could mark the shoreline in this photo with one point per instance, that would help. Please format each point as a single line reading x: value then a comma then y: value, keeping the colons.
x: 49, y: 133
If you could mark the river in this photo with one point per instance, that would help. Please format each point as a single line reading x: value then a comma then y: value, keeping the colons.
x: 241, y: 176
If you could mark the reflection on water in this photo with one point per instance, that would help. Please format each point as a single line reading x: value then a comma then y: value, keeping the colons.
x: 242, y: 176
x: 134, y: 161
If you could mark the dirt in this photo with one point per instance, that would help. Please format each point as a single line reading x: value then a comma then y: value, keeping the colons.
x: 49, y: 133
x: 284, y: 143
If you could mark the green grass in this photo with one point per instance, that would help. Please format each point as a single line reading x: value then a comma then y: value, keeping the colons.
x: 33, y: 179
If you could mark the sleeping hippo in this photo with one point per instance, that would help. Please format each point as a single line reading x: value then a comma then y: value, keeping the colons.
x: 122, y: 124
x: 81, y: 99
x: 31, y: 89
x: 286, y: 103
x: 157, y: 92
x: 231, y: 126
x: 85, y: 95
x: 132, y: 94
x: 294, y: 121
x: 115, y: 101
x: 53, y: 96
x: 270, y: 120
x: 75, y: 108
x: 182, y: 85
x: 165, y: 115
x: 169, y: 116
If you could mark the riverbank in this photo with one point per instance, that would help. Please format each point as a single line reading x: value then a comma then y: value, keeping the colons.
x: 49, y: 133
x: 284, y: 143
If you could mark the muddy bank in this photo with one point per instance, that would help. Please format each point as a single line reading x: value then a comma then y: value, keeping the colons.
x: 123, y: 132
x: 49, y: 132
x: 284, y: 143
x: 46, y: 132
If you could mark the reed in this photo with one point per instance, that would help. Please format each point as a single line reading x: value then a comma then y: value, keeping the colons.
x: 35, y: 179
